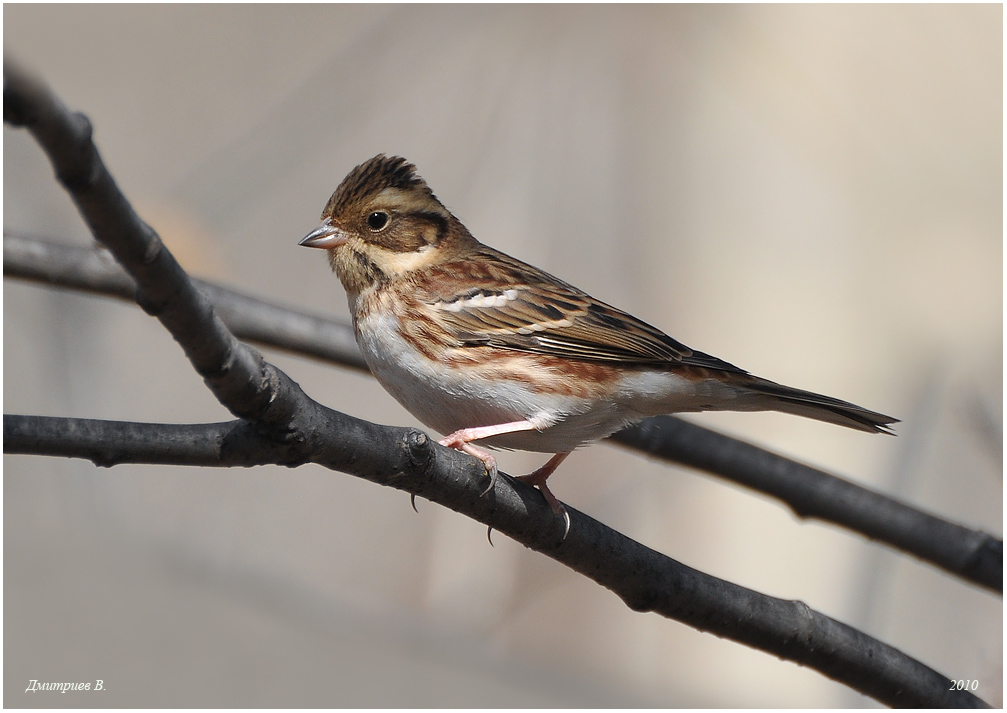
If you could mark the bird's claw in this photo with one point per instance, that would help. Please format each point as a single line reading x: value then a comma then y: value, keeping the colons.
x: 538, y: 479
x: 493, y: 473
x: 458, y: 441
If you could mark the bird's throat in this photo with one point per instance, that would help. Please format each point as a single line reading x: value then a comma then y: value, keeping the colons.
x: 355, y: 269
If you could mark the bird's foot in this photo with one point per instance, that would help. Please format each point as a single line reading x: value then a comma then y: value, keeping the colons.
x: 539, y: 478
x: 460, y: 441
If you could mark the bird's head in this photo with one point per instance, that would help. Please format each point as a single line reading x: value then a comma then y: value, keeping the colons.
x: 382, y: 222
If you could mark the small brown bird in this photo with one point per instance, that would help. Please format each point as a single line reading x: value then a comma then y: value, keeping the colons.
x: 488, y: 349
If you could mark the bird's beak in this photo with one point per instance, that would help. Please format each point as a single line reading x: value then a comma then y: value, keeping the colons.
x: 325, y: 236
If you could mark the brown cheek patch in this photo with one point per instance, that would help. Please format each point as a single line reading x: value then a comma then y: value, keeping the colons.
x: 401, y: 238
x: 408, y: 232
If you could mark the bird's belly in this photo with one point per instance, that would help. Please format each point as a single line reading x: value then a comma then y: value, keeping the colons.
x: 447, y: 396
x: 448, y: 393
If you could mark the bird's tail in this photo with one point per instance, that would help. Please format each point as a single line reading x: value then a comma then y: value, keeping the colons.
x: 821, y: 408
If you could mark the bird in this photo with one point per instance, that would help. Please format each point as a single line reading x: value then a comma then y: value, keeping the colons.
x: 494, y: 352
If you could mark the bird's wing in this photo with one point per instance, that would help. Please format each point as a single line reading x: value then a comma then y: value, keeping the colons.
x: 507, y: 304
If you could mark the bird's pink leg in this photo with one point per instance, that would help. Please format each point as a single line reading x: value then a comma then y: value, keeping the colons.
x: 461, y: 440
x: 538, y: 479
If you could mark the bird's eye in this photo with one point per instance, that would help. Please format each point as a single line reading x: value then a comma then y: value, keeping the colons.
x: 377, y: 220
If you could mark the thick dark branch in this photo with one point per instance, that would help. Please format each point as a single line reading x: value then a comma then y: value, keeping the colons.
x: 238, y: 376
x: 646, y: 580
x: 108, y: 443
x: 811, y: 493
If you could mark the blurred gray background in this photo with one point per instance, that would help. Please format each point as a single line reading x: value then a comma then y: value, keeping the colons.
x: 811, y: 192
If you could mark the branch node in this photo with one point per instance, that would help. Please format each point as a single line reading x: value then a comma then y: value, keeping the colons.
x: 153, y: 249
x: 987, y: 564
x: 82, y: 170
x: 419, y: 449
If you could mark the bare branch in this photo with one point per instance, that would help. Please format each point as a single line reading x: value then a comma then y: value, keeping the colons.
x: 644, y: 579
x: 109, y: 443
x: 237, y: 375
x: 810, y: 493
